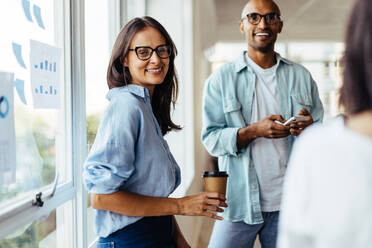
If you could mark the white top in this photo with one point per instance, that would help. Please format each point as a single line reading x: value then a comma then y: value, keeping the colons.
x: 269, y: 156
x: 327, y: 199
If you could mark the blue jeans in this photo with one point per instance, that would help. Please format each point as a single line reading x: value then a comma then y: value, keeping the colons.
x: 148, y: 232
x: 227, y: 234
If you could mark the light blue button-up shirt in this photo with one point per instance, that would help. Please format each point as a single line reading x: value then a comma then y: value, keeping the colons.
x: 227, y: 107
x: 129, y: 153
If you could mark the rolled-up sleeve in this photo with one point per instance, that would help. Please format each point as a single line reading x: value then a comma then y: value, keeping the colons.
x: 111, y: 160
x: 217, y: 137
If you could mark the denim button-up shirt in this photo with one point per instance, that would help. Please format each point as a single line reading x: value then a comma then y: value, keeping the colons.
x: 129, y: 153
x: 227, y: 107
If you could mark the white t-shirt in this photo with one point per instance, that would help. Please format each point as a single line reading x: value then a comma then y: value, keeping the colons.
x: 327, y: 199
x: 269, y: 156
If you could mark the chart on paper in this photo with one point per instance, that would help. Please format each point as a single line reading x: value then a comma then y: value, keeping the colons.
x: 45, y: 75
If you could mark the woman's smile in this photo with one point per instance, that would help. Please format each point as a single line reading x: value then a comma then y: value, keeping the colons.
x: 155, y: 71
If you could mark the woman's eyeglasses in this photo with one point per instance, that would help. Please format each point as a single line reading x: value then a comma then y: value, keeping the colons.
x: 255, y: 18
x: 145, y: 52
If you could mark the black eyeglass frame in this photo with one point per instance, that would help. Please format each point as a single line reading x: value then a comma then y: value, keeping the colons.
x: 277, y: 18
x: 156, y: 49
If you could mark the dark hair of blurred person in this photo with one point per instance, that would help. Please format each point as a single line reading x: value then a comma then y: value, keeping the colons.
x: 356, y: 91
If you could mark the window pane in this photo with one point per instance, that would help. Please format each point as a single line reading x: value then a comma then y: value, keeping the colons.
x: 39, y: 130
x: 47, y: 233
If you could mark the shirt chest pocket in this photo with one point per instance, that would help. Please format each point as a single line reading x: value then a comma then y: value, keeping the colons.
x: 233, y: 113
x: 299, y: 102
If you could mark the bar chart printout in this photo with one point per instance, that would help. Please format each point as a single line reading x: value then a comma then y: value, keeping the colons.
x: 45, y: 61
x: 7, y: 135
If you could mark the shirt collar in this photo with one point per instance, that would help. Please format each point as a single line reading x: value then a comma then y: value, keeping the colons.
x: 240, y: 62
x: 281, y: 59
x: 131, y: 88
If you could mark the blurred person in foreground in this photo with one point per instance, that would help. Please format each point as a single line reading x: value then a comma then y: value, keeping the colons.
x: 327, y: 199
x: 130, y: 171
x: 244, y: 104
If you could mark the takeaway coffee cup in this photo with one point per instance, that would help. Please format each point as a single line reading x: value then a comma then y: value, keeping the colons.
x: 215, y: 181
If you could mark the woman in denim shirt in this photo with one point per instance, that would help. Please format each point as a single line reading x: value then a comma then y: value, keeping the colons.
x: 130, y: 171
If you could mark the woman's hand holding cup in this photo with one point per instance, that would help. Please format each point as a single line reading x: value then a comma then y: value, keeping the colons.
x: 203, y: 204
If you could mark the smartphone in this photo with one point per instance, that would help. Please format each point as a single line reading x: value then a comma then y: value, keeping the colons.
x: 293, y: 119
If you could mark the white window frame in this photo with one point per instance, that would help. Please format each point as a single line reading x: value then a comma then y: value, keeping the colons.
x: 79, y: 211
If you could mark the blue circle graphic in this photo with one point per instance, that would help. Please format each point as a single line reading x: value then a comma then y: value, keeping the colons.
x: 4, y: 100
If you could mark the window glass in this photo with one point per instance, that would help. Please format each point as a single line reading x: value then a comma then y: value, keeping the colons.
x: 323, y: 65
x: 45, y: 233
x: 39, y: 111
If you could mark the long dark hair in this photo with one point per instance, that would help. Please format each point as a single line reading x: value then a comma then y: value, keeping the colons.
x: 356, y: 91
x: 166, y: 93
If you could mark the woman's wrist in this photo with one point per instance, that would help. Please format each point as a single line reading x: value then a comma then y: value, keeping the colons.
x: 180, y: 207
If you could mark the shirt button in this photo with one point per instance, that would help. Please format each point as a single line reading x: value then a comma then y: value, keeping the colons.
x: 254, y: 186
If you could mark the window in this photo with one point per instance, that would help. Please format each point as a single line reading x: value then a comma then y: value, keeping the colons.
x: 41, y: 233
x: 39, y: 131
x: 323, y: 65
x: 36, y: 46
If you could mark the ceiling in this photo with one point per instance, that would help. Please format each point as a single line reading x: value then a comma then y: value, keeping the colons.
x: 304, y: 20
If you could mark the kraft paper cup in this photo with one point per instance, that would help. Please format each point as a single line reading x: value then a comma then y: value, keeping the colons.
x: 215, y: 181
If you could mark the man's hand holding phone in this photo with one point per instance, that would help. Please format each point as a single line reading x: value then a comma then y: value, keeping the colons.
x: 298, y: 123
x: 273, y: 127
x: 298, y: 127
x: 268, y: 127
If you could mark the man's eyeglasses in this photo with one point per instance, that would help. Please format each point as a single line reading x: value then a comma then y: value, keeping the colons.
x: 255, y: 18
x: 145, y: 52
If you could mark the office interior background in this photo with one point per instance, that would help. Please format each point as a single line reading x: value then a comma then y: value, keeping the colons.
x: 52, y: 143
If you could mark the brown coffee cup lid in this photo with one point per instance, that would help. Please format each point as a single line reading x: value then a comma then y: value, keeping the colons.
x: 215, y: 174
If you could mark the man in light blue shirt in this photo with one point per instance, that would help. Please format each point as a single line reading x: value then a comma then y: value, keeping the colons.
x: 245, y: 103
